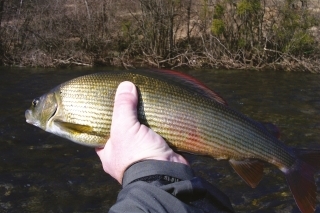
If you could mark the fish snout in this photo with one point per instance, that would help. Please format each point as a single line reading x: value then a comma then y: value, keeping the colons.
x: 28, y: 115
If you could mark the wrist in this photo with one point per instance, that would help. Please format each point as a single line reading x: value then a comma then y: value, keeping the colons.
x: 146, y: 168
x: 170, y: 157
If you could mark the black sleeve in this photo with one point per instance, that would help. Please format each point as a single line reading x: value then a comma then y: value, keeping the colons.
x: 161, y: 186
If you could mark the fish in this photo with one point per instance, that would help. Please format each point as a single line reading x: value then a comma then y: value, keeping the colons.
x: 187, y: 114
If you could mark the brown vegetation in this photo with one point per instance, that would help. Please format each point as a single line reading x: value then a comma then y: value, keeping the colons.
x: 242, y: 34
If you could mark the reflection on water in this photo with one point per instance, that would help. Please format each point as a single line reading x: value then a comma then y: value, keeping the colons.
x: 41, y: 172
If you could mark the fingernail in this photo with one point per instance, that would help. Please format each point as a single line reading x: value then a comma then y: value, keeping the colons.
x: 126, y: 86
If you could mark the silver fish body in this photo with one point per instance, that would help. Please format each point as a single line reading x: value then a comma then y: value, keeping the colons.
x: 188, y: 115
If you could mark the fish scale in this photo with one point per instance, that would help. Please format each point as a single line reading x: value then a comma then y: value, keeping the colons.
x: 188, y: 115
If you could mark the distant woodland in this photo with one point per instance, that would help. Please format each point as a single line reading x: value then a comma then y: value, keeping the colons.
x: 232, y: 34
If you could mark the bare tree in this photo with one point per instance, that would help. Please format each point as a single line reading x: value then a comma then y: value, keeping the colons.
x: 244, y: 34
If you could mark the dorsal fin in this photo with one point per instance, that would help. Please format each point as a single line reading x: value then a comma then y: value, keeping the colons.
x: 196, y: 83
x: 188, y: 81
x: 250, y: 170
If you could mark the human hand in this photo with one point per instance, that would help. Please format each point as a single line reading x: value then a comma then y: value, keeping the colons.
x: 129, y: 140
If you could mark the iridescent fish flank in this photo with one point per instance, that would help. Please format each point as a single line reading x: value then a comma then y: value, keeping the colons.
x: 188, y: 115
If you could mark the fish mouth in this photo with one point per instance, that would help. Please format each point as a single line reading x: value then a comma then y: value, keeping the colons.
x: 29, y: 118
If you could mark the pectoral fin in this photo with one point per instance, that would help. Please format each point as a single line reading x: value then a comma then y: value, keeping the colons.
x: 74, y: 128
x: 250, y: 170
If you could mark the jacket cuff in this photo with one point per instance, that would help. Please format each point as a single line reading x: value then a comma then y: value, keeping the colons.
x: 156, y: 167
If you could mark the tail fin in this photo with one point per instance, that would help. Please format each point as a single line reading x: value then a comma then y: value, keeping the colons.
x: 300, y: 178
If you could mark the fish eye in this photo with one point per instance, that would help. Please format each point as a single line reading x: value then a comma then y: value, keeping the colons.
x: 35, y: 102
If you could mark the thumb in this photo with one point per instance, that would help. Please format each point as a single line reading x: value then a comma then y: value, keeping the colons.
x: 125, y: 108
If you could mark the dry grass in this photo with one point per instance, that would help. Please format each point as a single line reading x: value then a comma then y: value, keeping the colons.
x: 160, y: 33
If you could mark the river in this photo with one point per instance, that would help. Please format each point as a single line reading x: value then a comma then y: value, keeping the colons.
x: 40, y: 172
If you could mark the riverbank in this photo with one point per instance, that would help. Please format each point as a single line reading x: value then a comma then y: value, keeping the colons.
x: 243, y: 34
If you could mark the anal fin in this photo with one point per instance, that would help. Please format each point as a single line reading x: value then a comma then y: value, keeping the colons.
x: 250, y: 170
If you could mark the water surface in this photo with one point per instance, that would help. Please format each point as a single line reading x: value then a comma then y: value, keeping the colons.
x: 41, y: 172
